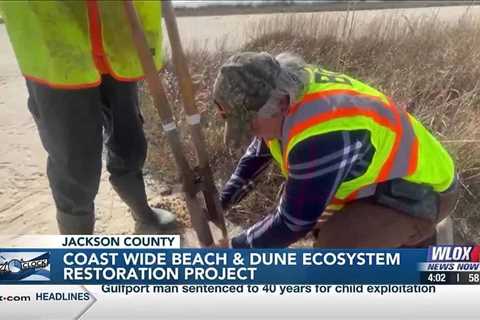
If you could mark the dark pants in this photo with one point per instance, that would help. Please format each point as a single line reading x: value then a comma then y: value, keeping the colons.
x: 72, y: 125
x: 366, y: 224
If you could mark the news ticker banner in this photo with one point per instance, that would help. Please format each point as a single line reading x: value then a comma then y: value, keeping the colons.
x: 158, y: 259
x: 87, y: 273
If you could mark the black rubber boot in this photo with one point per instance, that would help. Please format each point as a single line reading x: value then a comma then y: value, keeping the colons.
x: 75, y: 224
x: 131, y: 189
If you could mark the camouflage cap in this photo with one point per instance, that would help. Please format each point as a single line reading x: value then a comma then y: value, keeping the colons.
x: 243, y: 85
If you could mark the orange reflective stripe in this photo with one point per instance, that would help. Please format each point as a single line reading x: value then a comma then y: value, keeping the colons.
x: 387, y: 166
x: 96, y: 37
x: 120, y: 78
x: 325, y: 93
x: 339, y: 112
x: 412, y: 164
x: 336, y: 113
x: 63, y: 86
x: 401, y: 157
x: 98, y: 52
x: 336, y: 201
x: 352, y: 196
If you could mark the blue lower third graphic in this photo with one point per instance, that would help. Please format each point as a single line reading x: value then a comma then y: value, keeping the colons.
x: 24, y: 266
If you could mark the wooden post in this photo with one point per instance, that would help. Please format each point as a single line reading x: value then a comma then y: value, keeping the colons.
x: 210, y: 193
x: 190, y: 187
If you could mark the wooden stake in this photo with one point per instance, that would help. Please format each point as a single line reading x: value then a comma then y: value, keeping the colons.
x: 215, y: 212
x: 190, y: 187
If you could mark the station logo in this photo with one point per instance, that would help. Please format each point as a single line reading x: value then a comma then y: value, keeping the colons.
x: 24, y: 266
x: 454, y: 254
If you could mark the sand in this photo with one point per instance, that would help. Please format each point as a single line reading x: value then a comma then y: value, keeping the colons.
x: 233, y: 30
x: 26, y: 205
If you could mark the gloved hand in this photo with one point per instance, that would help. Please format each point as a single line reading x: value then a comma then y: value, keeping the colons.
x: 225, y: 202
x: 240, y: 241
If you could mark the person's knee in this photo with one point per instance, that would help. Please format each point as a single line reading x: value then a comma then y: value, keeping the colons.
x: 336, y: 238
x: 420, y: 231
x: 338, y: 231
x: 127, y: 156
x: 365, y: 224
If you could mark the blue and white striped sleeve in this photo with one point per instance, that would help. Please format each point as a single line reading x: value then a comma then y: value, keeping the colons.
x: 255, y: 160
x: 317, y: 166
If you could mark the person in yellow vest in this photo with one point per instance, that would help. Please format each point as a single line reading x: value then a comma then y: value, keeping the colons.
x: 360, y: 171
x: 81, y: 70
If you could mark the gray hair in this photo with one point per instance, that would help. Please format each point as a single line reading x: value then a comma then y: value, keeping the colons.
x: 291, y: 81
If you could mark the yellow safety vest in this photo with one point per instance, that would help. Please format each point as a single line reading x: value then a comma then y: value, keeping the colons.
x: 69, y: 44
x: 403, y: 147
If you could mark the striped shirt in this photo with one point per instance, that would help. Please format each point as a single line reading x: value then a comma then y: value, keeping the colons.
x: 317, y: 167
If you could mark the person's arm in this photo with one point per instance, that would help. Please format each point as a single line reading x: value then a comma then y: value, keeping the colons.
x: 254, y: 162
x: 317, y: 166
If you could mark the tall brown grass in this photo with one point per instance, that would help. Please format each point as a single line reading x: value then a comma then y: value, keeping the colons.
x: 432, y: 67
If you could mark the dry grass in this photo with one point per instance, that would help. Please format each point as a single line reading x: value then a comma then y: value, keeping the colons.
x: 431, y: 66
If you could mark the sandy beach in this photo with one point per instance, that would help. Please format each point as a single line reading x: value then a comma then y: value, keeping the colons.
x: 26, y: 205
x: 233, y: 30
